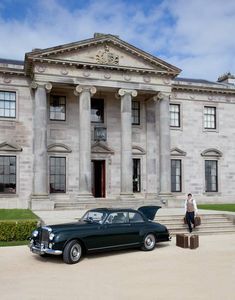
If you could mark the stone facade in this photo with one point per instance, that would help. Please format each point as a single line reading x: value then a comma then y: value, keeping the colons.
x: 108, y: 68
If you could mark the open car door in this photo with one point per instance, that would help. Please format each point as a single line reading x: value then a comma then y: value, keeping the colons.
x: 149, y: 211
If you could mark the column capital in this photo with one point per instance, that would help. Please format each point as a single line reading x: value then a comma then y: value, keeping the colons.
x: 161, y: 96
x: 84, y: 88
x: 122, y: 92
x: 34, y: 85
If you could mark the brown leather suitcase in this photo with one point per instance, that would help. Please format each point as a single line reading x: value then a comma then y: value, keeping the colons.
x: 194, y: 241
x: 182, y: 240
x: 197, y: 221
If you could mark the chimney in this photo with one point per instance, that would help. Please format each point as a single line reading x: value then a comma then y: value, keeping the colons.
x: 227, y: 78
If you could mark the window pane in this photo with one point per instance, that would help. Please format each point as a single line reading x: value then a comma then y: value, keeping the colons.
x: 176, y: 175
x: 211, y: 176
x: 57, y: 174
x: 7, y: 174
x: 7, y: 104
x: 210, y: 117
x: 136, y: 175
x: 57, y: 108
x: 175, y: 115
x: 135, y: 113
x: 97, y: 110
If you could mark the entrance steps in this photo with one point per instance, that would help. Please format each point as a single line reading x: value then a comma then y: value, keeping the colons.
x: 210, y: 224
x: 104, y: 202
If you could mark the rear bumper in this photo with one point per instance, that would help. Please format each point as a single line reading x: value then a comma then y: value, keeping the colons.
x: 42, y: 250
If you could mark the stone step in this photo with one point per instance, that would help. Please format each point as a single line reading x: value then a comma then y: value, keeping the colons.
x: 203, y: 232
x: 204, y: 221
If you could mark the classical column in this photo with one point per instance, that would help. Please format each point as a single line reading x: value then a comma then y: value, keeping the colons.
x: 40, y: 179
x: 164, y: 140
x: 84, y: 93
x: 126, y: 142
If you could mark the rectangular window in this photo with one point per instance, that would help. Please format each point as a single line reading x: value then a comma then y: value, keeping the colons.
x: 97, y: 110
x: 176, y: 174
x: 174, y: 115
x: 57, y: 108
x: 136, y: 175
x: 211, y: 175
x: 8, y: 174
x: 57, y: 174
x: 209, y: 117
x: 7, y: 104
x: 135, y: 113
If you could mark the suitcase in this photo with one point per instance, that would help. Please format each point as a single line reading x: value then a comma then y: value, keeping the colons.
x: 182, y: 240
x: 197, y: 221
x: 185, y: 220
x: 194, y: 241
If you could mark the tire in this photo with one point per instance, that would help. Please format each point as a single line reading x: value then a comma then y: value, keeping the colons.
x: 72, y: 252
x: 149, y: 242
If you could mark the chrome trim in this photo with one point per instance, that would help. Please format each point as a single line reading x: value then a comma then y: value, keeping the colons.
x: 44, y: 250
x: 108, y: 247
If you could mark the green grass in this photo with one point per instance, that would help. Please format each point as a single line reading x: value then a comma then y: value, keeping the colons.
x: 13, y: 243
x: 17, y: 214
x: 220, y: 207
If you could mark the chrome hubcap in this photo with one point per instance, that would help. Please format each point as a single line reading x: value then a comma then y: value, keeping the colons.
x: 76, y: 252
x: 149, y: 241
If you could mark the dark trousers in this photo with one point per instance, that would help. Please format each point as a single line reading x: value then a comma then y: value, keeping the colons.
x: 190, y: 220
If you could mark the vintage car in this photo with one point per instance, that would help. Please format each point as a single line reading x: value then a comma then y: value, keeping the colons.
x: 98, y: 230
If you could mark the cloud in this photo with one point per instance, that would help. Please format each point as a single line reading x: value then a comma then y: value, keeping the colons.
x: 196, y: 36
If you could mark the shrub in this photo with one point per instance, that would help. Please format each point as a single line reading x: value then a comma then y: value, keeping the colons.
x: 16, y: 230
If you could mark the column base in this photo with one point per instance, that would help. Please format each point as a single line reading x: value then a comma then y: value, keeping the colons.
x: 166, y: 198
x: 127, y: 196
x: 42, y: 202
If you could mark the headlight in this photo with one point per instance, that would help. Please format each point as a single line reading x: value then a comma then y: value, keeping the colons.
x: 51, y: 236
x: 35, y: 233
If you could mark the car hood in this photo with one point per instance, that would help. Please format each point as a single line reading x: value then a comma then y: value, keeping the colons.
x: 149, y: 211
x: 70, y: 226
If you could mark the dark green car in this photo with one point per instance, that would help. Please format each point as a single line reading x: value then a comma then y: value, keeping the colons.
x: 98, y: 230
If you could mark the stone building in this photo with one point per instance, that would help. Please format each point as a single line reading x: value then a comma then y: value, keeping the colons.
x: 100, y: 122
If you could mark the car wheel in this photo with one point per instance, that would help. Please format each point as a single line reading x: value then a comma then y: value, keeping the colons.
x: 149, y: 242
x: 72, y: 252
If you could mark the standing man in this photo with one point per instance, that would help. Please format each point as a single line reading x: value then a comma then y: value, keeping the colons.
x: 190, y: 211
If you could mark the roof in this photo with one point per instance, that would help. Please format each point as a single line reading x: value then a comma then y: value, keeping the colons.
x: 105, y: 209
x: 11, y: 61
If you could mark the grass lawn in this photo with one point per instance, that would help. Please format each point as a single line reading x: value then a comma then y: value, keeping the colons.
x: 221, y: 207
x: 16, y: 214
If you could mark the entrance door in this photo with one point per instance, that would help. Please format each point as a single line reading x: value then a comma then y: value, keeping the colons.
x: 98, y: 178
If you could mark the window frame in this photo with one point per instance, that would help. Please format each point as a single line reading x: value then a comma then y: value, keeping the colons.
x: 178, y: 113
x: 65, y: 175
x: 139, y: 175
x: 215, y: 118
x: 133, y: 109
x: 180, y: 176
x: 103, y: 114
x: 217, y: 175
x: 15, y: 174
x: 15, y: 101
x: 65, y: 108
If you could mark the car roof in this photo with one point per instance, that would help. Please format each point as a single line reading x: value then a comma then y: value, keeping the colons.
x: 110, y: 210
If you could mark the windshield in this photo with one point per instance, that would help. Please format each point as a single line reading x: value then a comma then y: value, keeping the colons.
x: 94, y: 216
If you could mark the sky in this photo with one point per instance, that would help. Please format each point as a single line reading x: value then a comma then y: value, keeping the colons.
x: 196, y: 36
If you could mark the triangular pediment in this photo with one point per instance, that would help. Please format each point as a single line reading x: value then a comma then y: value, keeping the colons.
x: 59, y: 148
x: 104, y: 51
x: 177, y: 152
x: 100, y: 148
x: 6, y: 147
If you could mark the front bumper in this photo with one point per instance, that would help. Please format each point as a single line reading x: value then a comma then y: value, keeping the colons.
x: 41, y: 250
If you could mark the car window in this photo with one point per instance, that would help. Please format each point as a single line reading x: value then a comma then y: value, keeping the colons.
x: 94, y: 216
x: 135, y: 217
x: 117, y: 218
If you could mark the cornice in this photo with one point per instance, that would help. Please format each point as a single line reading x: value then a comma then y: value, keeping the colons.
x: 203, y: 88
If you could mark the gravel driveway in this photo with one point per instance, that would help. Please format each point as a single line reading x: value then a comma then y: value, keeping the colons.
x: 168, y: 273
